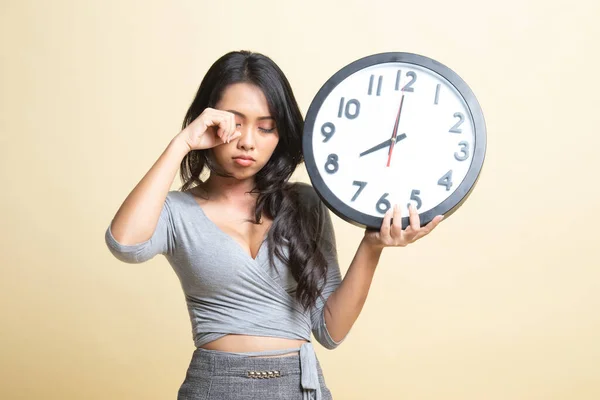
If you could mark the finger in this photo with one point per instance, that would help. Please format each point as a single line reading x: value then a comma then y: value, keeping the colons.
x: 232, y: 126
x: 221, y: 134
x: 413, y: 215
x: 433, y: 223
x: 214, y: 117
x: 396, y: 230
x: 217, y: 121
x: 429, y: 227
x: 385, y: 225
x: 225, y: 125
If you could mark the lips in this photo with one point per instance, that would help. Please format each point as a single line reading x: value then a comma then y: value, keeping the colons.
x: 244, y: 161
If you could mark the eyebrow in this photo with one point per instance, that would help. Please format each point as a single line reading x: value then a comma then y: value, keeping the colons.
x: 243, y: 116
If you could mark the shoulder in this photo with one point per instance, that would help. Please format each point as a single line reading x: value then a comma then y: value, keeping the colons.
x: 177, y: 196
x: 306, y: 194
x: 178, y: 200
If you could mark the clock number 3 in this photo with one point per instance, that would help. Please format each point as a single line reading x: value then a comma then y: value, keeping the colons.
x: 332, y: 166
x: 464, y: 151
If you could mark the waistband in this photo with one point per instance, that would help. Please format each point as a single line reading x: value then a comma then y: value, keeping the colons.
x: 248, y: 364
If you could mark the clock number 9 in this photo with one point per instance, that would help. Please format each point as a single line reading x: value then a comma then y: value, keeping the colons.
x: 328, y: 129
x: 332, y: 166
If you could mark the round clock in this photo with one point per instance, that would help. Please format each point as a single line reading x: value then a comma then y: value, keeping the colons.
x: 394, y: 128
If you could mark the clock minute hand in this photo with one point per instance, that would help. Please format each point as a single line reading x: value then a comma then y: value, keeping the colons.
x: 393, y: 139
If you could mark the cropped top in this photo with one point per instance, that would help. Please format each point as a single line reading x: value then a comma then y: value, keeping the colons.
x: 229, y: 292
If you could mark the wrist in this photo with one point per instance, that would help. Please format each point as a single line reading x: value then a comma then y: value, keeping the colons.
x: 372, y: 249
x: 180, y: 145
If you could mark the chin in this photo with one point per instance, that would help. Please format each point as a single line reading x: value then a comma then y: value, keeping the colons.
x: 242, y: 173
x: 241, y: 176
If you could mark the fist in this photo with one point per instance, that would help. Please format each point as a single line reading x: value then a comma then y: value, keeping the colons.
x: 211, y: 128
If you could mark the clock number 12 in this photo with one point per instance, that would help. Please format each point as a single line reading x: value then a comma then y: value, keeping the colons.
x: 408, y: 87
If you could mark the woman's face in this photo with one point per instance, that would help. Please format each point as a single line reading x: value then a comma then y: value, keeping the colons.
x: 243, y: 157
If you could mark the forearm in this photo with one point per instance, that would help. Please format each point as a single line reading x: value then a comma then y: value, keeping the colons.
x: 137, y: 217
x: 345, y: 304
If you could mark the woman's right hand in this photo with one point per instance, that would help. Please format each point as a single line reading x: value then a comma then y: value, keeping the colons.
x: 211, y: 128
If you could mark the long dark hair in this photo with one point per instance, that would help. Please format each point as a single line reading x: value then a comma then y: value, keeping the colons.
x: 295, y: 222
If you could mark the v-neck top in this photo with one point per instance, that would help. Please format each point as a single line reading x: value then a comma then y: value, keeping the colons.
x: 226, y: 290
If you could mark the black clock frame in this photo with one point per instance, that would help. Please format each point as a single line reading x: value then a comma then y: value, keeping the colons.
x: 448, y: 206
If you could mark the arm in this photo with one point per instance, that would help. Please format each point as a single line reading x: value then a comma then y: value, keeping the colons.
x: 143, y: 225
x: 138, y: 216
x: 345, y: 304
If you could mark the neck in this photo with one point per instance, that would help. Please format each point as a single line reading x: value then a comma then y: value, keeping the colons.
x: 230, y: 189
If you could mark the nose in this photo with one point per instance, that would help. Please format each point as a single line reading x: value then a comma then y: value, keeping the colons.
x: 247, y: 140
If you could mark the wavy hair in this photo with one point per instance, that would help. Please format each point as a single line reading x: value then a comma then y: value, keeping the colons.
x: 296, y: 224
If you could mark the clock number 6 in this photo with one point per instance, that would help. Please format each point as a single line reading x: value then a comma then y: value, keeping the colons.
x: 332, y: 166
x: 383, y: 204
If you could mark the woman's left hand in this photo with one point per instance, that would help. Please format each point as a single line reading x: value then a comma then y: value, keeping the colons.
x: 391, y: 233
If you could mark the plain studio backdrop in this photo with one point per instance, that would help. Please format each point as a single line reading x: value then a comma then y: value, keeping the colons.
x: 501, y: 302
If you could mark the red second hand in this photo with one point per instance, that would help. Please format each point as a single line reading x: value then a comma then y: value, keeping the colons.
x: 395, y: 132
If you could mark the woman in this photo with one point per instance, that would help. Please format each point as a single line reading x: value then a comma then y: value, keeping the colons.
x: 255, y: 254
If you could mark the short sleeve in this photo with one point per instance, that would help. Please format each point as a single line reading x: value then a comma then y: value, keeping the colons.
x: 334, y: 279
x: 161, y: 242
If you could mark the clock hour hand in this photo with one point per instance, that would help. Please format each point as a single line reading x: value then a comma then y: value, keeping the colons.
x: 383, y: 145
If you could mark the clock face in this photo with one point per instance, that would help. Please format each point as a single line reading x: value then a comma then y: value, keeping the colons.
x: 394, y: 129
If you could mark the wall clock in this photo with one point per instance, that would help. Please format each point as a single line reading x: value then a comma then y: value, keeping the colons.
x: 394, y: 128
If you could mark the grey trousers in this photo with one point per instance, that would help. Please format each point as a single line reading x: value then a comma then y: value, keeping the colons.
x: 215, y: 375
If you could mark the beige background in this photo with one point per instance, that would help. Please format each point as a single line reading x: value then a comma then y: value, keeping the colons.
x: 501, y: 302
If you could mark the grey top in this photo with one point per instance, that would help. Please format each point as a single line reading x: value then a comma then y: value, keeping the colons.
x: 226, y: 290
